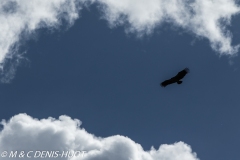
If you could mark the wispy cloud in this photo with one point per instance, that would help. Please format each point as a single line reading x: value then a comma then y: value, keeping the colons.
x: 208, y: 19
x: 204, y: 18
x: 21, y: 18
x: 24, y: 133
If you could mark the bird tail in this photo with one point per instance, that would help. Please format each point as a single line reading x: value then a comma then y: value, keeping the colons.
x: 179, y: 82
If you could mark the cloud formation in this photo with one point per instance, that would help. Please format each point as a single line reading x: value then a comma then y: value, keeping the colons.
x: 204, y: 18
x: 207, y: 19
x: 21, y: 18
x: 24, y: 133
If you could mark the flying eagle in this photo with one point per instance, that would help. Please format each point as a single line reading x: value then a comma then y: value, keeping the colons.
x: 175, y: 79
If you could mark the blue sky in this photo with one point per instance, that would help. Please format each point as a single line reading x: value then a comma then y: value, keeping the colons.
x: 103, y: 63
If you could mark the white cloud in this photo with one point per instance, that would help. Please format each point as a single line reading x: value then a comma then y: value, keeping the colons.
x: 23, y: 17
x: 24, y: 133
x: 204, y: 18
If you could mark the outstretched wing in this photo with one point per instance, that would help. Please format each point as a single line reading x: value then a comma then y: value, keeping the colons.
x: 176, y: 78
x: 167, y: 82
x: 181, y: 74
